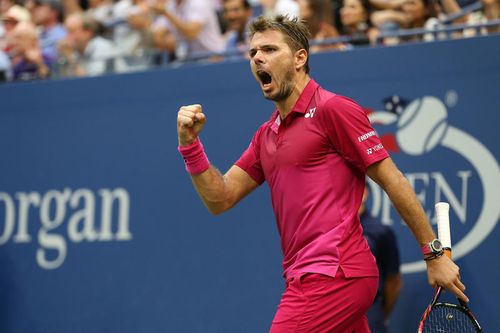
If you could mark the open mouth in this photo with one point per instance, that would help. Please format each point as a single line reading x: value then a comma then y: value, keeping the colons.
x: 264, y: 77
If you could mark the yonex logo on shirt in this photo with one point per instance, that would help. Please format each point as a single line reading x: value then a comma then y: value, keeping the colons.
x: 310, y: 113
x: 366, y: 136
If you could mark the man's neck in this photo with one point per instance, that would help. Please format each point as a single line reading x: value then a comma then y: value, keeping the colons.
x: 285, y: 107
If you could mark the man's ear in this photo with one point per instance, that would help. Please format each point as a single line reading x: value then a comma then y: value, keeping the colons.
x: 301, y: 58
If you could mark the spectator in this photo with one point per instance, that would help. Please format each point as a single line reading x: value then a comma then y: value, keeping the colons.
x: 5, y: 67
x: 2, y: 35
x: 283, y: 7
x: 355, y: 22
x: 317, y: 16
x: 48, y: 15
x: 383, y: 245
x: 12, y: 14
x: 194, y: 25
x: 491, y: 10
x: 425, y: 14
x: 12, y: 8
x: 237, y: 15
x: 84, y: 52
x: 417, y: 14
x: 133, y: 32
x: 102, y: 12
x: 28, y: 60
x: 164, y: 40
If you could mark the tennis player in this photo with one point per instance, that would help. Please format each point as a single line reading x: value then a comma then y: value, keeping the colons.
x: 314, y: 153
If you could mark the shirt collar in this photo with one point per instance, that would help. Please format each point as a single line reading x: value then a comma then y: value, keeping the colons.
x: 305, y: 97
x: 300, y: 106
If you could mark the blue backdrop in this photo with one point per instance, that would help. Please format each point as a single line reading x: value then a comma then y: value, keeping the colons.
x: 101, y: 230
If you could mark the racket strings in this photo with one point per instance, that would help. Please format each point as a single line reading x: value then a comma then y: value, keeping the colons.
x: 448, y: 319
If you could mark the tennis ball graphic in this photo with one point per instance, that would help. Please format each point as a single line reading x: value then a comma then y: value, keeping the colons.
x: 422, y: 125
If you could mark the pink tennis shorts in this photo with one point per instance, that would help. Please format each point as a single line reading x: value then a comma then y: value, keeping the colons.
x: 317, y: 303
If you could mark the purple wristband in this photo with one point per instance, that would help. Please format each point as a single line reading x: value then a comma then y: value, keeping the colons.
x: 194, y: 157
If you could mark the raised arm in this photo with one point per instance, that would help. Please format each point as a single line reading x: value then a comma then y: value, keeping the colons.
x: 189, y: 29
x: 440, y: 271
x: 218, y: 192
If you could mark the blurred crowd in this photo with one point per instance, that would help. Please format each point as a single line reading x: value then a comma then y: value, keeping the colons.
x: 69, y: 38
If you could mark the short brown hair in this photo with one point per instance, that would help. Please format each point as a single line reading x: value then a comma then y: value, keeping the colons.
x: 295, y: 31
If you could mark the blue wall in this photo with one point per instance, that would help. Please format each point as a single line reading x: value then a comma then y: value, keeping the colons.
x: 101, y: 230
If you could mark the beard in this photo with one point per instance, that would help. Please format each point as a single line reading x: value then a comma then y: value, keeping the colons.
x: 285, y: 89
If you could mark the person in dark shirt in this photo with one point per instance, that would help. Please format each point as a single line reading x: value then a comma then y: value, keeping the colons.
x: 28, y: 60
x: 383, y: 244
x: 237, y: 14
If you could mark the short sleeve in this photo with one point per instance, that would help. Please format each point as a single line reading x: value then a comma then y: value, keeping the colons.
x: 250, y: 159
x: 350, y: 132
x: 197, y: 11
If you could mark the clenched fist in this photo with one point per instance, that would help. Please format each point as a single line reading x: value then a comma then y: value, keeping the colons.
x: 190, y: 121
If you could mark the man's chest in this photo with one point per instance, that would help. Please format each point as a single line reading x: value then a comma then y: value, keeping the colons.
x: 297, y: 142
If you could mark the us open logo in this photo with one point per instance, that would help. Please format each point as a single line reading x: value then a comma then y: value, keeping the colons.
x: 420, y: 130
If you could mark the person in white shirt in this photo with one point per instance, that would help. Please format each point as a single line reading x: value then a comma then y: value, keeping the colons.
x: 5, y: 67
x: 283, y: 7
x: 88, y: 54
x: 194, y: 24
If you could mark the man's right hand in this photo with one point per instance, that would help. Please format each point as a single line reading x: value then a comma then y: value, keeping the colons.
x: 190, y: 122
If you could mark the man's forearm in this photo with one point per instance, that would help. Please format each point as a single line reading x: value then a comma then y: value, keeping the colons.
x: 190, y: 30
x: 410, y: 209
x: 403, y: 198
x: 212, y: 188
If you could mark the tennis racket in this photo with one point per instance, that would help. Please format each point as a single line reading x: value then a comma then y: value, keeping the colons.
x: 442, y: 317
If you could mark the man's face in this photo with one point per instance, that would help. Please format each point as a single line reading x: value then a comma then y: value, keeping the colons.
x: 5, y: 5
x: 22, y: 39
x: 77, y: 36
x: 236, y: 15
x: 352, y: 13
x: 273, y: 64
x: 415, y: 9
x: 17, y: 42
x: 41, y: 14
x: 305, y: 11
x: 9, y: 25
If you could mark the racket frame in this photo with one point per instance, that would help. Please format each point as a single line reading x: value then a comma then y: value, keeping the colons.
x: 444, y: 235
x: 460, y: 307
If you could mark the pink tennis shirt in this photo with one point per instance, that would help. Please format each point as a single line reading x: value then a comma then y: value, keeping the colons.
x: 315, y: 162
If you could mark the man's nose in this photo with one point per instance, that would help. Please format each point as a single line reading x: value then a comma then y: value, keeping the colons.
x: 258, y: 58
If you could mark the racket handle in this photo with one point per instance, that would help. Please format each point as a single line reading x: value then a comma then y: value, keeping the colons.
x: 443, y: 225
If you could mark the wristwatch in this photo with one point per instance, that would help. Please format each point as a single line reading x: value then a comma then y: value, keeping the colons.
x: 434, y: 247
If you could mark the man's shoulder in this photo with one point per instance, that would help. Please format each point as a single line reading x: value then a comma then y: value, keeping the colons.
x: 334, y: 103
x: 331, y: 99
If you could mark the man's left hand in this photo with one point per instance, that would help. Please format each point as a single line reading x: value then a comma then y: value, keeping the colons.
x: 444, y: 272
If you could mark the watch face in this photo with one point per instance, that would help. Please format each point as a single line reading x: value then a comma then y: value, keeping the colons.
x: 436, y: 245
